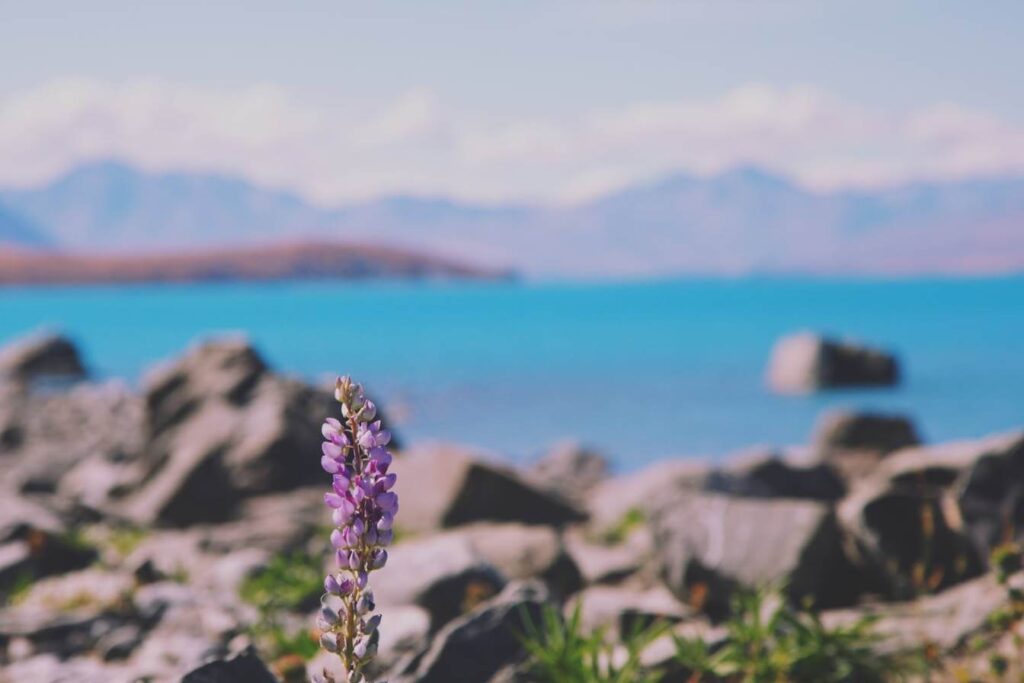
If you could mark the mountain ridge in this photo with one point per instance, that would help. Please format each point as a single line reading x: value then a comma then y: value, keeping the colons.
x: 740, y: 221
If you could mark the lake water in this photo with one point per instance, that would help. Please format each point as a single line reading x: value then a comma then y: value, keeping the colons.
x: 641, y: 371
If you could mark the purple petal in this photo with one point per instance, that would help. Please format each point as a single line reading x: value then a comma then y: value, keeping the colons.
x: 333, y: 500
x: 388, y: 501
x: 332, y: 450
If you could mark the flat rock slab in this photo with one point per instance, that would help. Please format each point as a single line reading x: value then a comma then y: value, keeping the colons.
x: 708, y: 545
x: 446, y: 487
x: 945, y: 619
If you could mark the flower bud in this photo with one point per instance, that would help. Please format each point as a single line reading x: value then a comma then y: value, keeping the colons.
x: 328, y: 615
x: 371, y: 624
x: 365, y: 604
x: 380, y: 558
x: 329, y: 641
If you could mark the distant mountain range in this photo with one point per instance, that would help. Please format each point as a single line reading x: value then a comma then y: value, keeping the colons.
x: 741, y: 221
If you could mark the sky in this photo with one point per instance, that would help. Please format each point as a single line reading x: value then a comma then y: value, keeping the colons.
x: 497, y: 101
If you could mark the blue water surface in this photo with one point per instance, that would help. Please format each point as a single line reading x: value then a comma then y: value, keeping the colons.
x: 640, y: 370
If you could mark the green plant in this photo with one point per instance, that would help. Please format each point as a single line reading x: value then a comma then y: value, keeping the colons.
x: 288, y: 582
x: 770, y: 641
x: 620, y: 531
x: 19, y: 588
x: 561, y: 652
x: 123, y: 540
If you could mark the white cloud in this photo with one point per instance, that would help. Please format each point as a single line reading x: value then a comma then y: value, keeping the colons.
x: 341, y: 150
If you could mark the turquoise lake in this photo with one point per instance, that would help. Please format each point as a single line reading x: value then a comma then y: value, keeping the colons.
x: 641, y: 371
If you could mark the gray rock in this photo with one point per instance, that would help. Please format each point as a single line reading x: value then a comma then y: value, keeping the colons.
x: 98, y: 423
x: 445, y: 488
x: 569, y: 470
x: 245, y: 667
x: 643, y: 491
x: 280, y: 523
x: 769, y: 475
x: 119, y: 643
x: 191, y: 483
x: 908, y: 538
x: 707, y: 545
x: 624, y: 609
x: 599, y: 563
x: 478, y: 645
x: 40, y: 357
x: 34, y: 543
x: 445, y: 575
x: 842, y: 430
x: 981, y: 482
x: 944, y: 620
x: 404, y: 632
x: 50, y: 668
x: 520, y: 551
x: 807, y: 362
x: 221, y: 427
x: 274, y: 422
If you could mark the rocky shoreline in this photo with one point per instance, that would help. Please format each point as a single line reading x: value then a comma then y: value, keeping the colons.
x: 167, y: 532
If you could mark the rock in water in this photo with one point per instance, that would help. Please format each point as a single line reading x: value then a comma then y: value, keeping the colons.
x: 807, y: 362
x: 244, y: 668
x: 709, y: 545
x: 41, y: 357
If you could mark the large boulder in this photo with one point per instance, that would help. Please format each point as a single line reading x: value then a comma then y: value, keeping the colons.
x: 220, y: 427
x: 44, y: 436
x: 478, y: 645
x: 275, y: 422
x: 708, y: 545
x: 521, y: 551
x: 843, y: 430
x: 908, y: 538
x: 41, y: 357
x: 771, y: 475
x: 982, y: 482
x: 446, y: 487
x: 807, y: 362
x: 443, y: 574
x: 855, y: 443
x: 569, y: 470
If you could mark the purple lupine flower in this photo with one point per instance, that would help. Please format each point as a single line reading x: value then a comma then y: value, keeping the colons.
x: 363, y: 508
